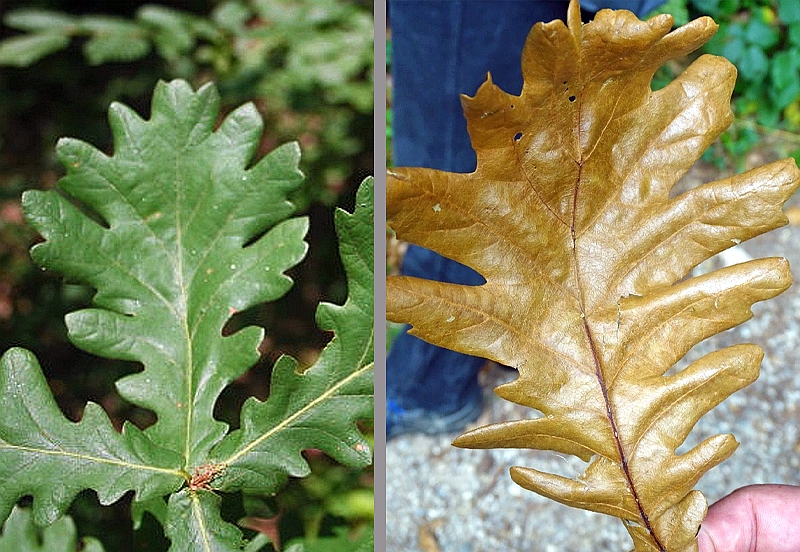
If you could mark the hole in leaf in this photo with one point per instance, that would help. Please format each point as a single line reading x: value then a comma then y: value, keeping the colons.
x: 517, y: 136
x: 572, y: 98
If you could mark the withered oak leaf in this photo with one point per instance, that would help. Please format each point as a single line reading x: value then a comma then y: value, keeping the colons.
x: 569, y: 218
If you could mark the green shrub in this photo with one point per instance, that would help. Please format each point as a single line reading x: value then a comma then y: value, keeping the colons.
x: 762, y: 39
x: 309, y: 63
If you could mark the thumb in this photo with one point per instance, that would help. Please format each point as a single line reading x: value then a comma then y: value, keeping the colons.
x: 757, y: 518
x: 705, y: 542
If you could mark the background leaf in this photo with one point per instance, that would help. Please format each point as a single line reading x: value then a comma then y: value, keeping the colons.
x: 339, y: 543
x: 789, y: 11
x: 33, y: 19
x: 21, y: 535
x: 22, y: 51
x: 110, y: 48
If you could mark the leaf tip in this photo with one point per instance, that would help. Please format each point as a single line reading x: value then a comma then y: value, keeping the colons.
x: 65, y: 149
x: 292, y: 150
x: 18, y: 355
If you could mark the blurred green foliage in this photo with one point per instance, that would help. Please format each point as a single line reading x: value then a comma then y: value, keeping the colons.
x: 762, y: 39
x: 20, y: 534
x: 307, y: 66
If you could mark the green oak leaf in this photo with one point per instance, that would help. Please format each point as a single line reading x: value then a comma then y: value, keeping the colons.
x: 194, y: 522
x: 316, y: 408
x: 319, y: 407
x: 179, y: 204
x: 176, y: 231
x: 45, y: 455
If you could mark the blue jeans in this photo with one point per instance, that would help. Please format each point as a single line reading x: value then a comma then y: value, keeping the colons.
x: 441, y: 49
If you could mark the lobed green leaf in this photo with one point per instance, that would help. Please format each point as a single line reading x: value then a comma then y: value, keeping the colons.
x: 319, y: 407
x: 194, y: 524
x: 171, y: 266
x: 45, y: 455
x: 177, y: 231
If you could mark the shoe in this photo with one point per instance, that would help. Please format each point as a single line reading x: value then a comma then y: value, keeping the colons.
x: 418, y: 420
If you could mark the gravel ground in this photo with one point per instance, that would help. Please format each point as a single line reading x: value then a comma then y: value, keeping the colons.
x: 443, y: 499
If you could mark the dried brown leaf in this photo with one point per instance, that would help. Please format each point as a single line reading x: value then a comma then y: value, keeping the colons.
x: 569, y: 219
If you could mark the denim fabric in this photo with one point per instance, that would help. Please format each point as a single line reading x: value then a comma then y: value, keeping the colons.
x: 441, y: 49
x: 639, y: 7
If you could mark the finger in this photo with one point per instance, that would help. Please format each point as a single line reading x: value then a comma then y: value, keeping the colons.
x: 757, y: 518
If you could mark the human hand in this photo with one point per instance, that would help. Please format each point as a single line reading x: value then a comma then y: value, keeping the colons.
x: 756, y: 518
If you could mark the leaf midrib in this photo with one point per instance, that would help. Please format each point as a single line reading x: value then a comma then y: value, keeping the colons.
x: 198, y: 514
x: 95, y: 459
x: 588, y: 332
x: 184, y: 316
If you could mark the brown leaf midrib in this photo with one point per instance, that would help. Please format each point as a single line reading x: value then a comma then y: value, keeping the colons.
x: 587, y: 329
x: 599, y: 373
x: 617, y: 441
